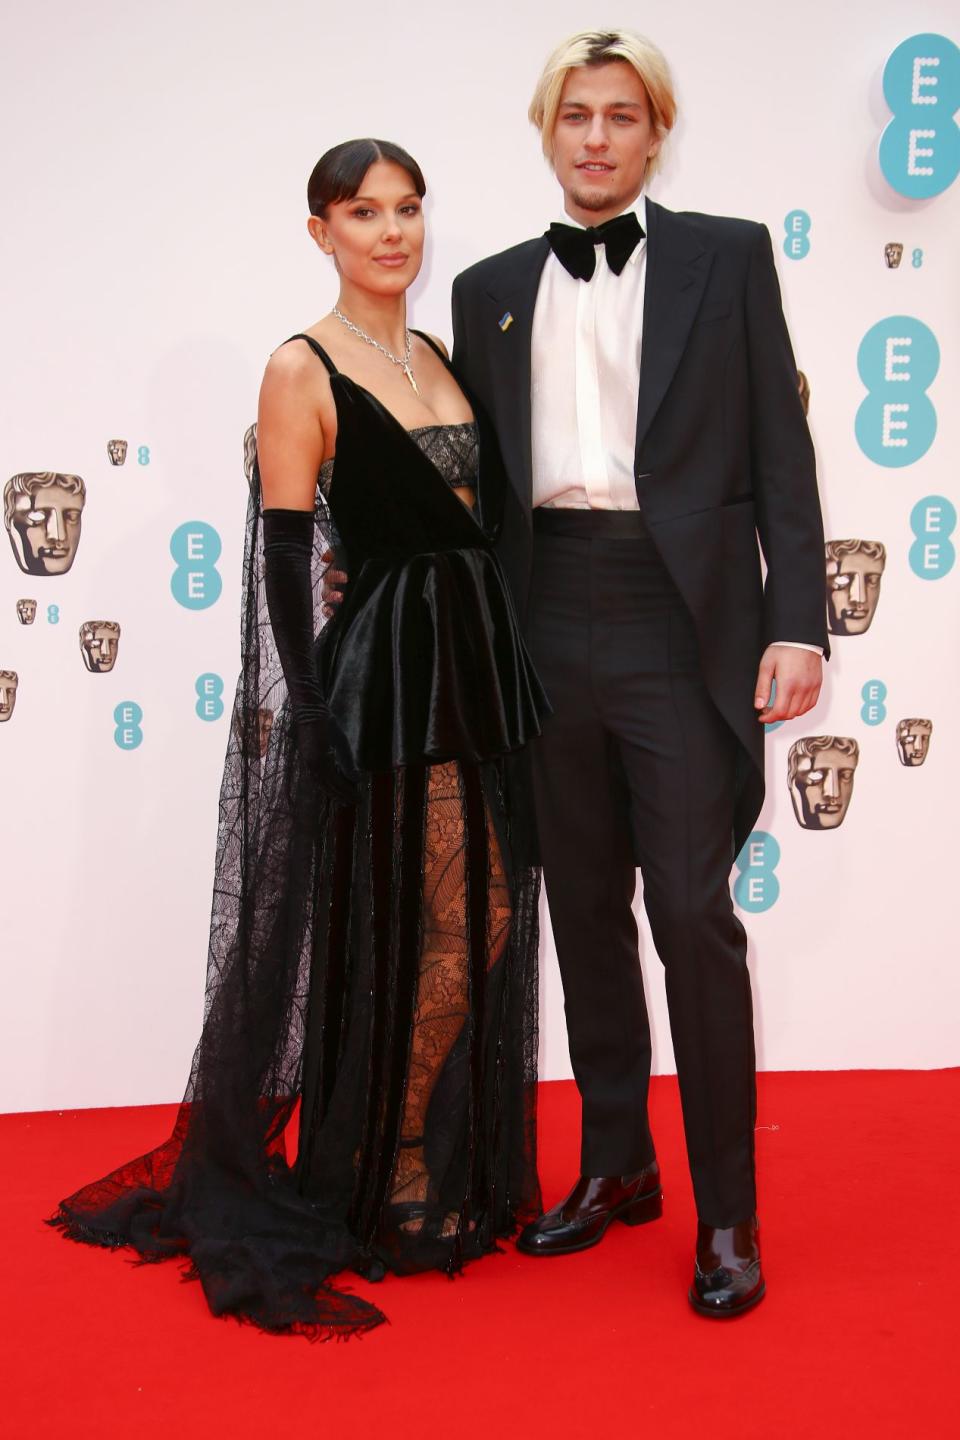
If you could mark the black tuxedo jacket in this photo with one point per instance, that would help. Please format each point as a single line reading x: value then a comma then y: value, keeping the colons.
x: 723, y: 455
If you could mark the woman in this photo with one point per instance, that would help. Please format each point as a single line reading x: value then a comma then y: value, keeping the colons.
x: 374, y: 935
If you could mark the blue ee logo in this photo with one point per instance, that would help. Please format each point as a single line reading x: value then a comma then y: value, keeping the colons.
x: 209, y: 689
x: 920, y: 147
x: 756, y: 888
x: 796, y: 241
x: 773, y: 724
x: 933, y: 520
x: 196, y: 582
x: 873, y: 711
x: 126, y: 718
x: 897, y: 360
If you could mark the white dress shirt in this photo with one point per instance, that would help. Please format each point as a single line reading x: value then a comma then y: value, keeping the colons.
x: 584, y: 394
x: 585, y: 381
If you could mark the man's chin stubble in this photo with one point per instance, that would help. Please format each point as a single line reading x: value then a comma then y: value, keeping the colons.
x: 594, y: 200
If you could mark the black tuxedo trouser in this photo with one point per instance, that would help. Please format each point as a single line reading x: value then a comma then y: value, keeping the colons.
x: 636, y: 764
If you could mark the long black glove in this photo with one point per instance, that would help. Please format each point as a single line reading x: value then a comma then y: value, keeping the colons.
x: 287, y: 555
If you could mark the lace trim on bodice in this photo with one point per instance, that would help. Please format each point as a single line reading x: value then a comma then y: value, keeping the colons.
x: 452, y: 449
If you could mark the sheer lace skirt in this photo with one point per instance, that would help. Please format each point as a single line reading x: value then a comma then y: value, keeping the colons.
x: 391, y: 988
x: 415, y: 1117
x: 376, y: 963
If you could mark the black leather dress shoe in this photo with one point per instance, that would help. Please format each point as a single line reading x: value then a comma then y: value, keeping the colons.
x: 582, y: 1219
x: 727, y: 1278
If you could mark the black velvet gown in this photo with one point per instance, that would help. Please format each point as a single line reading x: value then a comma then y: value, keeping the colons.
x: 376, y: 961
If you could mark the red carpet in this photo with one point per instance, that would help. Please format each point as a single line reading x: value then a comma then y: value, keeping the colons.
x: 859, y: 1175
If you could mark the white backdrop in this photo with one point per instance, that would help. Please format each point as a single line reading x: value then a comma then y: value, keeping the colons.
x: 153, y: 252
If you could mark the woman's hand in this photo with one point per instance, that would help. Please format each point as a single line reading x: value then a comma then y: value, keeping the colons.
x: 325, y: 754
x: 333, y: 583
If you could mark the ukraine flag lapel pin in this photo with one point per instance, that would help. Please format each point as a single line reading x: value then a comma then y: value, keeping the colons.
x: 505, y: 321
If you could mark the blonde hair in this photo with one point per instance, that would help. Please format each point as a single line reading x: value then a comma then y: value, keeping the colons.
x: 600, y: 47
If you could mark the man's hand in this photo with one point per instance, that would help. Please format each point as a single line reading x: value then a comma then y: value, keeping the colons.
x: 799, y: 675
x: 333, y: 583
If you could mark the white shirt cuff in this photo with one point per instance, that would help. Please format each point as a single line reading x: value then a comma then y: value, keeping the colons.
x: 799, y: 645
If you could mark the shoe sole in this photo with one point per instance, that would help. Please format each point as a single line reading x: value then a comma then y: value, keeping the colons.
x: 636, y: 1212
x: 712, y: 1312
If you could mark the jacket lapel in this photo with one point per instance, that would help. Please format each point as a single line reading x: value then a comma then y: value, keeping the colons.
x: 678, y: 265
x: 512, y: 297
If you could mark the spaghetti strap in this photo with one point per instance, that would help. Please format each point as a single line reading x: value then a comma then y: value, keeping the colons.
x: 318, y: 350
x: 433, y: 345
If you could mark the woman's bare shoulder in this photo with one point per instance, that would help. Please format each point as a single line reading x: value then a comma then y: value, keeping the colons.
x: 292, y: 363
x: 294, y: 374
x: 438, y: 342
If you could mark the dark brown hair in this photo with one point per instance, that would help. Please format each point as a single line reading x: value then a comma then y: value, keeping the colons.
x: 339, y: 173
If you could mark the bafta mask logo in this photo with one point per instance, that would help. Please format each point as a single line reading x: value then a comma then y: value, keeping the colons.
x: 820, y: 771
x: 913, y: 741
x: 254, y: 739
x: 26, y: 611
x: 42, y: 514
x: 854, y: 571
x: 264, y: 727
x: 117, y: 450
x: 99, y: 643
x: 893, y: 254
x: 250, y: 453
x: 803, y: 385
x: 8, y: 693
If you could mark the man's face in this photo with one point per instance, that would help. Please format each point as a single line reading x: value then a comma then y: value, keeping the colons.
x: 45, y: 529
x: 8, y: 693
x: 26, y: 611
x: 913, y: 743
x: 853, y: 590
x: 602, y: 140
x: 822, y: 787
x: 99, y: 641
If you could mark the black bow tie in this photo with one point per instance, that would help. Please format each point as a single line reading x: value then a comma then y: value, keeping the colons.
x: 574, y: 248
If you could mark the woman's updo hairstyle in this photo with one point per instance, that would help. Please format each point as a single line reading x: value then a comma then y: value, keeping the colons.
x: 339, y: 173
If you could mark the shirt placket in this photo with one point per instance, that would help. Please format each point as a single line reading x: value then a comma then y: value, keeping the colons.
x: 589, y: 430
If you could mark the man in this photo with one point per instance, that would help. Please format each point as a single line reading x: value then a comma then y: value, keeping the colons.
x: 641, y: 382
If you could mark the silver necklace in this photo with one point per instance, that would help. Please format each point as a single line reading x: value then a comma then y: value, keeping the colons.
x: 403, y: 362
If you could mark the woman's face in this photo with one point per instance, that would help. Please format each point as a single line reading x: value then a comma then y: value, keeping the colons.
x: 376, y: 238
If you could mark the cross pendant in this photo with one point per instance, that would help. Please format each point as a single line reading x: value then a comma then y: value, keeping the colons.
x: 409, y: 374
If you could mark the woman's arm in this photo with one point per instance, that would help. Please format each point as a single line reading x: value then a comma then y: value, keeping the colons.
x: 290, y: 450
x: 290, y: 439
